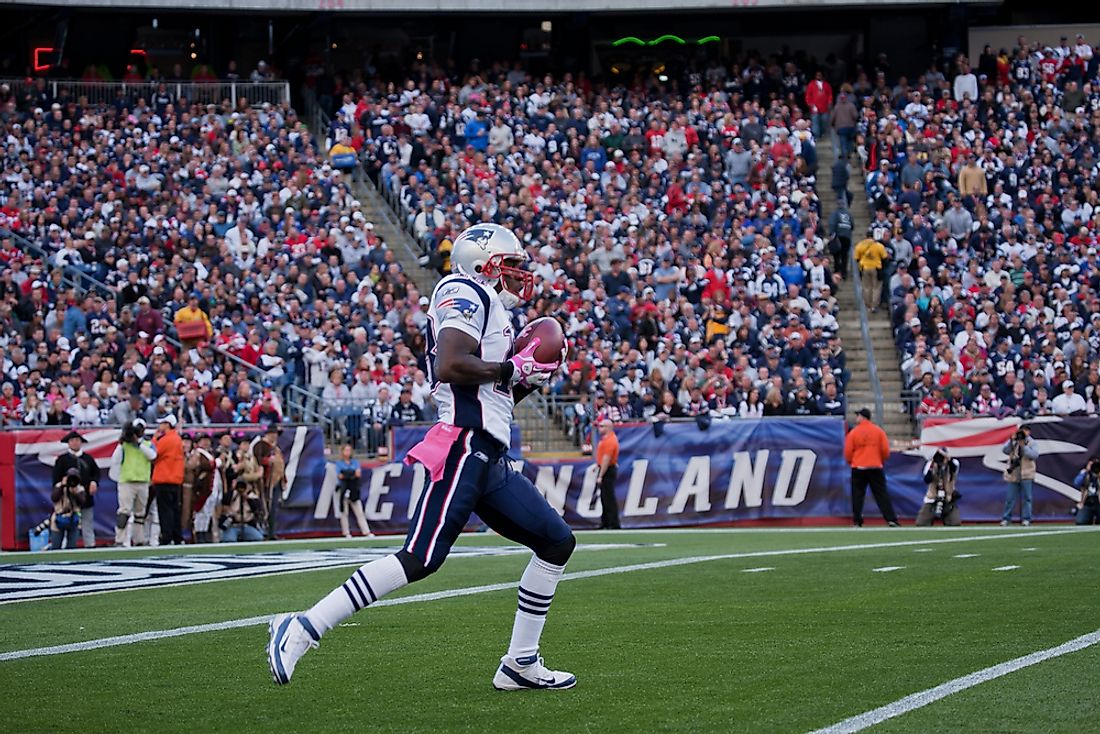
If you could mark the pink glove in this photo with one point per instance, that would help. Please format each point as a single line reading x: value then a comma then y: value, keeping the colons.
x: 525, y: 364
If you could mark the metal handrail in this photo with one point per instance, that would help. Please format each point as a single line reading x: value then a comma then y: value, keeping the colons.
x: 209, y: 92
x: 868, y: 345
x: 392, y: 212
x: 180, y: 427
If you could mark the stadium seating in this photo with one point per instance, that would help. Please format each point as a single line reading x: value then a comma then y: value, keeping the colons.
x: 678, y: 236
x: 994, y: 275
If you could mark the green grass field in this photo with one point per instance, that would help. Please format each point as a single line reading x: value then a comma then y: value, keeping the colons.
x: 696, y: 647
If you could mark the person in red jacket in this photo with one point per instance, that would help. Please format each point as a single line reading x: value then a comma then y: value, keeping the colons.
x: 819, y: 100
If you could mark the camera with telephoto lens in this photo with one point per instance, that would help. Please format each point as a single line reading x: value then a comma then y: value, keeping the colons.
x: 939, y: 469
x: 1092, y: 482
x: 941, y: 498
x: 72, y: 481
x: 1017, y: 451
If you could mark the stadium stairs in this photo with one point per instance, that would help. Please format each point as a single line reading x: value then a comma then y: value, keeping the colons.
x: 860, y: 392
x: 540, y: 432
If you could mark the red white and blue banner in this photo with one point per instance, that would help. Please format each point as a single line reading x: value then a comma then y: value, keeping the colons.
x: 772, y: 470
x: 1065, y: 445
x: 734, y: 471
x: 739, y: 470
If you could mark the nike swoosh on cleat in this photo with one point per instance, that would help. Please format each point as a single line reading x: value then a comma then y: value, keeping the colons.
x: 277, y: 670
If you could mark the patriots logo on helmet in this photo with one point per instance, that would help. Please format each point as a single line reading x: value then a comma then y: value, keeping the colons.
x: 463, y: 306
x: 480, y: 236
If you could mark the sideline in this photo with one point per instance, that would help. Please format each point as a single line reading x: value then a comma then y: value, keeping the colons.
x: 931, y: 695
x: 398, y: 538
x: 471, y: 590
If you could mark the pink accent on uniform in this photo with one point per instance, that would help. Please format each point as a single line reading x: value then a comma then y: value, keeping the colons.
x: 432, y: 451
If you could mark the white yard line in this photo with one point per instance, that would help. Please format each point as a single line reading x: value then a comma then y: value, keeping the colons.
x: 888, y: 569
x: 967, y: 555
x: 762, y: 569
x: 1006, y: 568
x: 931, y: 695
x: 470, y: 590
x: 397, y: 538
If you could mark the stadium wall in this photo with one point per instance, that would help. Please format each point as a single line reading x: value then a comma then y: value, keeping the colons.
x: 771, y: 471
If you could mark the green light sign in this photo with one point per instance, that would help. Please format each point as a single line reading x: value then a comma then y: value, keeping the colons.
x: 635, y: 41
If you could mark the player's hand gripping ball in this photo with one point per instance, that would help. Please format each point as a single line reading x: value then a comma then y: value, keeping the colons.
x: 552, y: 347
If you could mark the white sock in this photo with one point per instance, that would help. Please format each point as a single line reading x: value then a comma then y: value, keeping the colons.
x: 368, y: 584
x: 536, y: 591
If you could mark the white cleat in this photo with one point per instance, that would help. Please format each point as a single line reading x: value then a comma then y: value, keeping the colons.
x: 528, y: 673
x: 290, y: 639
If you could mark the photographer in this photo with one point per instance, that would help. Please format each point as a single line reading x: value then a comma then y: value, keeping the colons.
x: 132, y: 463
x: 88, y: 473
x: 348, y: 476
x: 1022, y: 453
x: 941, y: 500
x: 68, y: 495
x: 241, y: 514
x: 241, y: 503
x: 1088, y: 481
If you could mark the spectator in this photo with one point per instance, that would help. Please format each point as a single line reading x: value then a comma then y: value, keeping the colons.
x: 1069, y: 402
x: 870, y: 256
x: 966, y: 84
x: 192, y: 323
x: 819, y: 100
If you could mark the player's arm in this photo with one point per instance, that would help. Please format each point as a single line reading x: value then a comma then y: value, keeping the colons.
x: 456, y: 363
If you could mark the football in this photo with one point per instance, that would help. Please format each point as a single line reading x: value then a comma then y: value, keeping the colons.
x: 552, y: 345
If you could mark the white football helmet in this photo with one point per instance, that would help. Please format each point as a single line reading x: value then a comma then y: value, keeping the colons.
x: 490, y: 253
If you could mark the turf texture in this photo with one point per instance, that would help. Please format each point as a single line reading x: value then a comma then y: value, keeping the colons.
x: 700, y: 647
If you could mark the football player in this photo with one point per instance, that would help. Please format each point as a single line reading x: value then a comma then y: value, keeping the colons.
x: 477, y: 381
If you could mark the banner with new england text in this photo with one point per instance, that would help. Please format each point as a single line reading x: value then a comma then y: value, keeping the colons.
x: 734, y: 471
x: 738, y: 470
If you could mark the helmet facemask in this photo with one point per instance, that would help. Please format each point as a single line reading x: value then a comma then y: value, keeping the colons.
x: 522, y: 285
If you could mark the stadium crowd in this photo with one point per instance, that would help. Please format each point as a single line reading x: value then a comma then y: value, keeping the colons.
x: 676, y: 231
x: 982, y: 188
x: 234, y: 261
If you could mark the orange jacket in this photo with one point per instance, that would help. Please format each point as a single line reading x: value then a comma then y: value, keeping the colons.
x: 865, y: 447
x: 168, y: 467
x: 608, y: 447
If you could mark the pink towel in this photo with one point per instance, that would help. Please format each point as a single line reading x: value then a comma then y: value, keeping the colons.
x: 432, y: 451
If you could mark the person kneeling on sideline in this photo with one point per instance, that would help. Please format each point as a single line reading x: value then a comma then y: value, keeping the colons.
x: 1088, y: 481
x: 941, y: 501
